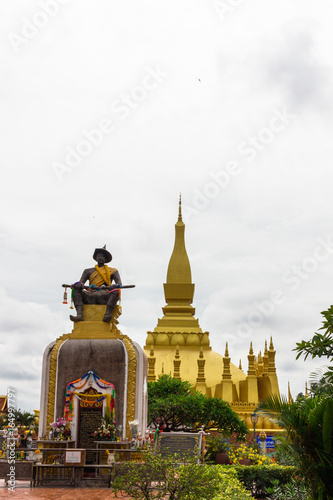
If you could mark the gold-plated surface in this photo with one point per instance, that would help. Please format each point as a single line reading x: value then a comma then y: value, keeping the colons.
x: 178, y: 346
x: 131, y: 383
x: 52, y: 381
x: 93, y: 326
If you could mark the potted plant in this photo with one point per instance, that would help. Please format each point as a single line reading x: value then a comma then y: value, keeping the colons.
x: 217, y: 450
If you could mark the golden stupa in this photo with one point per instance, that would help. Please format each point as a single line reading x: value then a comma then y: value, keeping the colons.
x: 178, y: 346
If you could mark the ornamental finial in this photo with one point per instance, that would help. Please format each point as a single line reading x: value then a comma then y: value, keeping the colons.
x: 180, y: 209
x: 271, y: 346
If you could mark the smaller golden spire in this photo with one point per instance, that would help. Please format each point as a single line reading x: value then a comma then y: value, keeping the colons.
x: 290, y: 399
x: 251, y: 359
x: 271, y: 347
x: 226, y: 374
x: 240, y: 365
x: 260, y: 368
x: 176, y: 364
x: 201, y: 367
x: 271, y: 358
x: 151, y: 365
x: 306, y: 390
x: 265, y: 360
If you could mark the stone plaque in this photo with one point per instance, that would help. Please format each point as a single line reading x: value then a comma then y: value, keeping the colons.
x: 178, y: 442
x: 89, y: 421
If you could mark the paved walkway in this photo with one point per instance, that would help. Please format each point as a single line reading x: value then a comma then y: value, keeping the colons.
x: 22, y: 490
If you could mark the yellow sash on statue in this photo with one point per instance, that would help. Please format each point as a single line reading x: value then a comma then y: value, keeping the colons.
x: 101, y: 276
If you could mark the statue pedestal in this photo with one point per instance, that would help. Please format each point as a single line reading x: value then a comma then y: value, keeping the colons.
x: 93, y: 313
x: 93, y: 326
x: 100, y: 348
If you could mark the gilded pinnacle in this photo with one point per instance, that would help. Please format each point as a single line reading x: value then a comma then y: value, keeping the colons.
x: 271, y: 347
x: 180, y: 209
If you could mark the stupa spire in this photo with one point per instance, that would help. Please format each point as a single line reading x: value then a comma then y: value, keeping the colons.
x: 290, y: 398
x: 179, y: 269
x: 180, y: 209
x: 178, y: 324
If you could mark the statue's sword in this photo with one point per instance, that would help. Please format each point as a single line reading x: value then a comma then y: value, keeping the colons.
x: 112, y: 287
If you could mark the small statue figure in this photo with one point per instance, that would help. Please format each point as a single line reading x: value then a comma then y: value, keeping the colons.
x: 100, y: 290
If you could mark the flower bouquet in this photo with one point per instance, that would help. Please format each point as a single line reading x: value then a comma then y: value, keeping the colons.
x: 58, y: 428
x: 106, y: 431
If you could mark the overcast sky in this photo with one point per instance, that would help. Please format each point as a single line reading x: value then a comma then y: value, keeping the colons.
x: 110, y: 109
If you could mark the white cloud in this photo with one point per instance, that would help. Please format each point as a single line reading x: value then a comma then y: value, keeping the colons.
x: 226, y: 78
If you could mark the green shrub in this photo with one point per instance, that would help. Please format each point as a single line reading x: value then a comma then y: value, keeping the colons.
x: 296, y: 489
x: 285, y: 453
x: 165, y: 478
x: 230, y: 488
x: 258, y: 478
x: 172, y: 477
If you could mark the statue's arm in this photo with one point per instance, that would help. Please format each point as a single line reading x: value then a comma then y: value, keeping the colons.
x: 85, y: 275
x: 116, y: 278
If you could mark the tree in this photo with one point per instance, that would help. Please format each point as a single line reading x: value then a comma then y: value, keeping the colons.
x: 321, y: 344
x: 309, y: 420
x: 173, y: 403
x: 24, y: 418
x: 309, y: 426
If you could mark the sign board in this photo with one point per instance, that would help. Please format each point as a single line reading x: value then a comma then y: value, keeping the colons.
x: 89, y: 421
x: 270, y: 442
x: 168, y: 443
x: 75, y: 457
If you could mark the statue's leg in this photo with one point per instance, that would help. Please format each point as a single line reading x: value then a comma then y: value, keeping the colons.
x: 78, y: 303
x: 111, y: 304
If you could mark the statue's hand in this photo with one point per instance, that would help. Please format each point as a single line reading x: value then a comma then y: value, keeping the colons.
x: 112, y: 287
x: 78, y: 285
